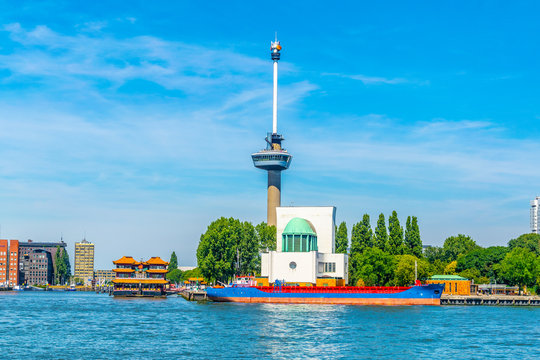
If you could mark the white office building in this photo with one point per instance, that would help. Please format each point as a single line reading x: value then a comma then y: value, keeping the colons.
x: 305, y: 248
x: 534, y: 215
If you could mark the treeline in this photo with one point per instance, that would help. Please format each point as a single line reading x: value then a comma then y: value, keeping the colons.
x: 383, y: 256
x: 387, y: 256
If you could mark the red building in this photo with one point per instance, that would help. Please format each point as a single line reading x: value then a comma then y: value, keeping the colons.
x: 4, y: 262
x: 13, y: 262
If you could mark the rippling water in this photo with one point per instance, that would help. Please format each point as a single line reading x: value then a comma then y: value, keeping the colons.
x: 49, y: 325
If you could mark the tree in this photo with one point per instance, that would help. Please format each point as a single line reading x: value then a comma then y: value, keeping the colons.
x: 407, y: 238
x: 450, y: 269
x: 395, y: 240
x: 266, y: 236
x: 519, y: 267
x: 248, y: 251
x: 374, y: 267
x: 173, y: 263
x: 342, y: 241
x: 175, y: 275
x: 361, y: 239
x: 362, y: 236
x: 482, y: 260
x: 415, y: 243
x: 62, y: 267
x: 474, y: 275
x: 67, y: 265
x: 405, y: 269
x: 432, y: 253
x: 526, y: 241
x: 458, y: 245
x: 216, y: 253
x: 381, y: 236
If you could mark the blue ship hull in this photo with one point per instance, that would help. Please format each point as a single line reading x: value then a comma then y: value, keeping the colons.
x: 416, y: 295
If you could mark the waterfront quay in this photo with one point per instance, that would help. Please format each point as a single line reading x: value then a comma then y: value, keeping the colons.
x: 490, y: 300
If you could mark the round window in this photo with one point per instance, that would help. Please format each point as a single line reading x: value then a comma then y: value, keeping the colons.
x: 292, y: 265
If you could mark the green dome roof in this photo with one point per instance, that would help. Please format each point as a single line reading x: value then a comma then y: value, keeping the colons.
x: 299, y: 226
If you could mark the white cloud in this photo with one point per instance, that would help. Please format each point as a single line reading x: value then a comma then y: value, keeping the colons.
x: 376, y: 80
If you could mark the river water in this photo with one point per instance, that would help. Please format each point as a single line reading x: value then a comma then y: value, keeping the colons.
x: 74, y: 325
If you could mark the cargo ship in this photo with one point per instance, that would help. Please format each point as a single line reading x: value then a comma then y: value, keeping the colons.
x: 428, y: 294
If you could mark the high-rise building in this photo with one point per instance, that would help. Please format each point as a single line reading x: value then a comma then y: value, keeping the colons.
x: 4, y: 262
x: 13, y: 278
x: 274, y: 159
x: 534, y: 215
x: 84, y: 261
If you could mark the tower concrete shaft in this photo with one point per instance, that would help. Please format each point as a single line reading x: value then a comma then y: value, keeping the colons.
x: 274, y: 196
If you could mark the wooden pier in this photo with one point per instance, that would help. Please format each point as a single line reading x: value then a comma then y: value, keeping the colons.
x: 490, y: 300
x: 194, y: 295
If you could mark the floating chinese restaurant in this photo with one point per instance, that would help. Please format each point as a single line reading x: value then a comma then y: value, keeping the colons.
x: 140, y: 278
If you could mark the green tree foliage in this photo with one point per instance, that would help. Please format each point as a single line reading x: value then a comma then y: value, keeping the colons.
x: 436, y: 267
x: 361, y: 239
x: 474, y: 274
x: 248, y: 251
x: 362, y: 236
x: 519, y: 267
x: 450, y: 269
x: 432, y: 253
x: 530, y: 242
x: 173, y: 263
x: 62, y: 267
x: 455, y: 246
x: 483, y: 261
x: 175, y: 275
x: 228, y: 247
x: 395, y: 240
x: 216, y: 253
x: 375, y: 267
x: 412, y: 242
x: 266, y: 236
x: 381, y: 235
x: 404, y: 272
x: 342, y: 241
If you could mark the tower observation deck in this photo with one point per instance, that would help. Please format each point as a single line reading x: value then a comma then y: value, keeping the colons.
x: 274, y: 158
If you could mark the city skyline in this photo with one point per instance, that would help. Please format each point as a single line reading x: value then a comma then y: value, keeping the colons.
x: 133, y: 128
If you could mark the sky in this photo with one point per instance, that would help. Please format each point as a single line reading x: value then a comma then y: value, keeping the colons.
x: 132, y: 125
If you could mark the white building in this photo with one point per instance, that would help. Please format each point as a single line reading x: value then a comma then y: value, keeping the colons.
x: 534, y: 215
x: 305, y: 248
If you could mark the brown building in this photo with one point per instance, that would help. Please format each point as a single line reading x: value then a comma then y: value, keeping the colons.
x: 26, y: 249
x: 4, y: 263
x: 38, y: 268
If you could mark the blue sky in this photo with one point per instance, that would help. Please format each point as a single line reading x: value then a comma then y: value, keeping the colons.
x: 133, y: 125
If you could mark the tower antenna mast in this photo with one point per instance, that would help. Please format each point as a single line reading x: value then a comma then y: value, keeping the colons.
x: 274, y: 159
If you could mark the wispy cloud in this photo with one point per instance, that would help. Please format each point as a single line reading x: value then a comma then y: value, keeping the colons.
x: 376, y: 80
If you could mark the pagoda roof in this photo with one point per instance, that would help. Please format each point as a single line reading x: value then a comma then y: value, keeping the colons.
x: 123, y: 270
x: 155, y: 260
x: 157, y: 271
x: 140, y: 281
x: 126, y: 260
